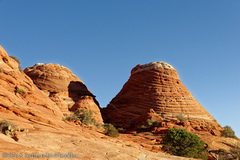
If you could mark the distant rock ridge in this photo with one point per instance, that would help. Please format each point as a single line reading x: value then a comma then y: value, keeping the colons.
x: 157, y: 86
x: 64, y: 88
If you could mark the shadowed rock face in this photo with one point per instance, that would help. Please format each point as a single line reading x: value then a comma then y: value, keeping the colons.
x: 64, y: 88
x: 157, y: 86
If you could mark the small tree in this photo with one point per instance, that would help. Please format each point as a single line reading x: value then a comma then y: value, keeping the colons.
x: 110, y: 130
x: 228, y: 132
x: 182, y: 143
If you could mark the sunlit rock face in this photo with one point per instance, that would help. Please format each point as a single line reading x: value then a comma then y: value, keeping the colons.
x: 64, y: 88
x: 19, y: 96
x: 157, y: 86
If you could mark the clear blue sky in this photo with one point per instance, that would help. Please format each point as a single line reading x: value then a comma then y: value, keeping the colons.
x: 102, y: 40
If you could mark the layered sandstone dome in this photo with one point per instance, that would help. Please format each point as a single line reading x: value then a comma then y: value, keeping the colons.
x: 157, y: 86
x: 19, y: 97
x: 64, y: 88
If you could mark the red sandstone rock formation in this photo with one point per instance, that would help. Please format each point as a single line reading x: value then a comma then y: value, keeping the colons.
x: 157, y: 86
x: 64, y: 88
x: 20, y: 97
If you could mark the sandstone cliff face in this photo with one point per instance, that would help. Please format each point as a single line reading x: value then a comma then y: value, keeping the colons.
x: 64, y: 88
x: 20, y: 97
x: 157, y: 86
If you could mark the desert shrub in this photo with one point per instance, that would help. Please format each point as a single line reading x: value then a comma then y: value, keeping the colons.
x: 235, y: 152
x: 71, y: 117
x: 85, y: 116
x: 181, y: 118
x: 228, y: 132
x: 7, y: 127
x: 182, y: 143
x: 232, y: 154
x: 120, y: 129
x: 221, y: 153
x: 152, y: 123
x: 149, y: 124
x: 20, y: 91
x: 149, y: 133
x: 110, y: 130
x: 135, y: 134
x: 16, y: 59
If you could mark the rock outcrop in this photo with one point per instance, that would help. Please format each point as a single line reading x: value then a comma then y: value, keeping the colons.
x: 20, y: 97
x: 156, y: 86
x: 64, y: 88
x: 153, y: 92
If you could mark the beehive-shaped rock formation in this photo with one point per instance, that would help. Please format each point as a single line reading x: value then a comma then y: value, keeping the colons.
x: 64, y: 88
x: 157, y: 86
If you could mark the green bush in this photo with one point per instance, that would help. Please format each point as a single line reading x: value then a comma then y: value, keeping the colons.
x: 85, y: 116
x: 228, y: 132
x: 182, y: 143
x: 110, y: 130
x: 7, y: 127
x: 20, y: 91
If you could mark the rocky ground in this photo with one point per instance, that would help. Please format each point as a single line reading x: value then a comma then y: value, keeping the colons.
x: 70, y: 140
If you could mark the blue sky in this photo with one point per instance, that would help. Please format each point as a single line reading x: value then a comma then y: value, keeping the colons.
x: 102, y: 40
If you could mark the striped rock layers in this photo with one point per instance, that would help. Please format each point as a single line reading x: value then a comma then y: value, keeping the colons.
x: 64, y: 88
x: 157, y: 86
